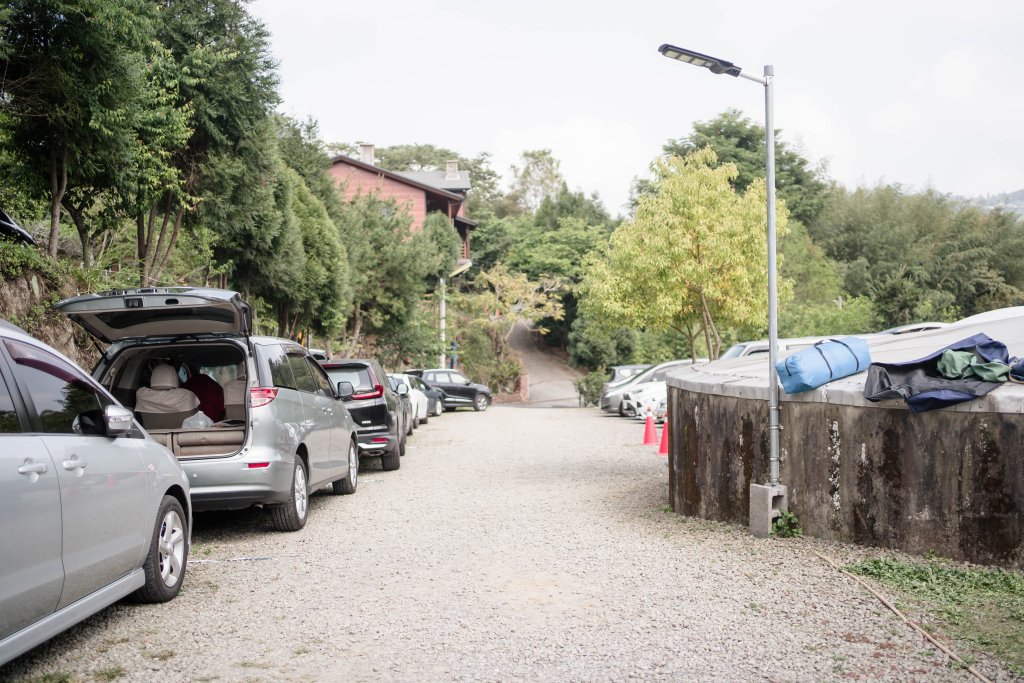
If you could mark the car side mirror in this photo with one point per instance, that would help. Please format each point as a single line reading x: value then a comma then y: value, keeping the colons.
x: 345, y: 391
x: 402, y: 389
x: 118, y: 420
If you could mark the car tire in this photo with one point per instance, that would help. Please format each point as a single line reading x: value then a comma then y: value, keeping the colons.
x: 425, y: 418
x: 480, y: 402
x: 167, y: 556
x: 292, y: 515
x: 347, y: 486
x: 401, y: 445
x: 391, y: 460
x: 412, y: 426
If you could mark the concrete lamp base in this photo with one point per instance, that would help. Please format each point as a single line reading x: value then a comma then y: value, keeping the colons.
x: 767, y: 502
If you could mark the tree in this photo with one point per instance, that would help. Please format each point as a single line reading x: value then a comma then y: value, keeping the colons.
x: 739, y: 141
x: 73, y: 83
x: 536, y: 177
x: 496, y: 300
x: 694, y: 258
x: 226, y: 77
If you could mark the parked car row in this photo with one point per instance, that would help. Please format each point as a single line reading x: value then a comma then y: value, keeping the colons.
x: 186, y: 410
x: 641, y: 390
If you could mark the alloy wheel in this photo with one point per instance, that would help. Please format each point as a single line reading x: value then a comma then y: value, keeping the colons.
x: 171, y: 546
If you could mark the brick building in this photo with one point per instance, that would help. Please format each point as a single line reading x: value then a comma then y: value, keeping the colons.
x: 416, y: 192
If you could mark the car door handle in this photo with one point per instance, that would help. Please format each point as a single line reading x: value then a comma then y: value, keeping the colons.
x: 33, y: 468
x: 75, y: 463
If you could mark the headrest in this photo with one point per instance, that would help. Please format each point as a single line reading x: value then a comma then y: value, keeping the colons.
x: 163, y: 377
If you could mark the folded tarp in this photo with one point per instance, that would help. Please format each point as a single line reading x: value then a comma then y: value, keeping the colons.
x: 822, y: 363
x: 921, y: 384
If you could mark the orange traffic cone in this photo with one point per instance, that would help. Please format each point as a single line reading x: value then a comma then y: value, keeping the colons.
x: 663, y: 446
x: 650, y: 433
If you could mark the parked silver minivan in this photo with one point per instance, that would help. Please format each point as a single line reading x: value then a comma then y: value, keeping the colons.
x: 279, y: 428
x: 91, y: 510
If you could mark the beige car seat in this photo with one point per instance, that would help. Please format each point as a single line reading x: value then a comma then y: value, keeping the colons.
x: 163, y: 404
x: 235, y: 395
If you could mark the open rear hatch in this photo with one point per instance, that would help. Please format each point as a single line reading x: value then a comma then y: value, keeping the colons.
x: 159, y: 312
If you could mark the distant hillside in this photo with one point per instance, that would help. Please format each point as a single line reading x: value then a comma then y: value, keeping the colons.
x: 1011, y: 201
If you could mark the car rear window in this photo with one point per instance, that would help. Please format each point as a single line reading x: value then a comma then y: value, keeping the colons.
x: 358, y: 376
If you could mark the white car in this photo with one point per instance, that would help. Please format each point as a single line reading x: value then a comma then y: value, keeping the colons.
x: 638, y: 400
x: 419, y: 400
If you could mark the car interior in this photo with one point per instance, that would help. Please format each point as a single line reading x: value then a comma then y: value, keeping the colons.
x: 153, y: 381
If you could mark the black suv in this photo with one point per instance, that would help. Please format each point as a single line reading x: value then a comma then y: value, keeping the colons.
x: 376, y: 408
x: 459, y: 391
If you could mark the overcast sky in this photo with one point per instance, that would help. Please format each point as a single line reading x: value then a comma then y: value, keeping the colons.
x: 926, y: 94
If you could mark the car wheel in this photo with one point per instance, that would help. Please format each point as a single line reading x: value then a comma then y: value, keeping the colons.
x: 347, y: 486
x: 412, y: 424
x: 168, y: 554
x: 401, y: 445
x: 437, y: 407
x: 392, y: 460
x: 292, y: 515
x: 425, y: 418
x: 480, y: 402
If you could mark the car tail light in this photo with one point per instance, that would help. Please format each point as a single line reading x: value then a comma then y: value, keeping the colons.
x: 261, y: 396
x: 378, y: 391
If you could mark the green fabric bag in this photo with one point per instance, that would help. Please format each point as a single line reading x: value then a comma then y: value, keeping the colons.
x: 964, y: 364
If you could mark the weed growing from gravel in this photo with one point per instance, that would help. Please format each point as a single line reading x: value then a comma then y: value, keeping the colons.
x: 52, y: 677
x: 787, y: 525
x: 983, y: 607
x: 111, y: 673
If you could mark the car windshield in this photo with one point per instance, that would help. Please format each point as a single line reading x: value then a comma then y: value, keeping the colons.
x: 358, y: 377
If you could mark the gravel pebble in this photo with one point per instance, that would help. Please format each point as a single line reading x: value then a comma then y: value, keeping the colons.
x: 518, y: 544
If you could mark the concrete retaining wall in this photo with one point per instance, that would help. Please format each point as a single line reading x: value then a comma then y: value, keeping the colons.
x: 948, y: 481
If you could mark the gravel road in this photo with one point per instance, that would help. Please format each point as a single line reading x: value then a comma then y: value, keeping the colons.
x: 518, y: 544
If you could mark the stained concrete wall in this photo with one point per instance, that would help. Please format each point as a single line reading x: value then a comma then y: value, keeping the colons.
x: 948, y: 481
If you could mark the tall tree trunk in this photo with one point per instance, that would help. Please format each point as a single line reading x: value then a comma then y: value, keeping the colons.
x: 140, y: 235
x: 714, y: 339
x: 78, y: 218
x: 163, y: 258
x: 356, y: 330
x: 58, y: 186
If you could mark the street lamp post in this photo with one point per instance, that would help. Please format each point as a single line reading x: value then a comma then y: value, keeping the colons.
x: 767, y: 501
x: 461, y: 266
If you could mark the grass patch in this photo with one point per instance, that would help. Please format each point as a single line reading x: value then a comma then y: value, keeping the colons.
x: 52, y: 677
x: 983, y: 607
x: 110, y: 673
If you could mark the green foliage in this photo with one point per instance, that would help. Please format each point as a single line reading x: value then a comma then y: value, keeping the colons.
x: 922, y: 256
x: 414, y: 344
x: 739, y: 141
x: 589, y: 386
x: 487, y: 312
x: 536, y: 178
x: 693, y: 258
x: 982, y: 606
x: 388, y: 270
x: 786, y: 525
x: 596, y: 345
x: 855, y: 316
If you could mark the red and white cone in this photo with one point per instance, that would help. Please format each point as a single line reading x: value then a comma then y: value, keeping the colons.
x: 650, y: 433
